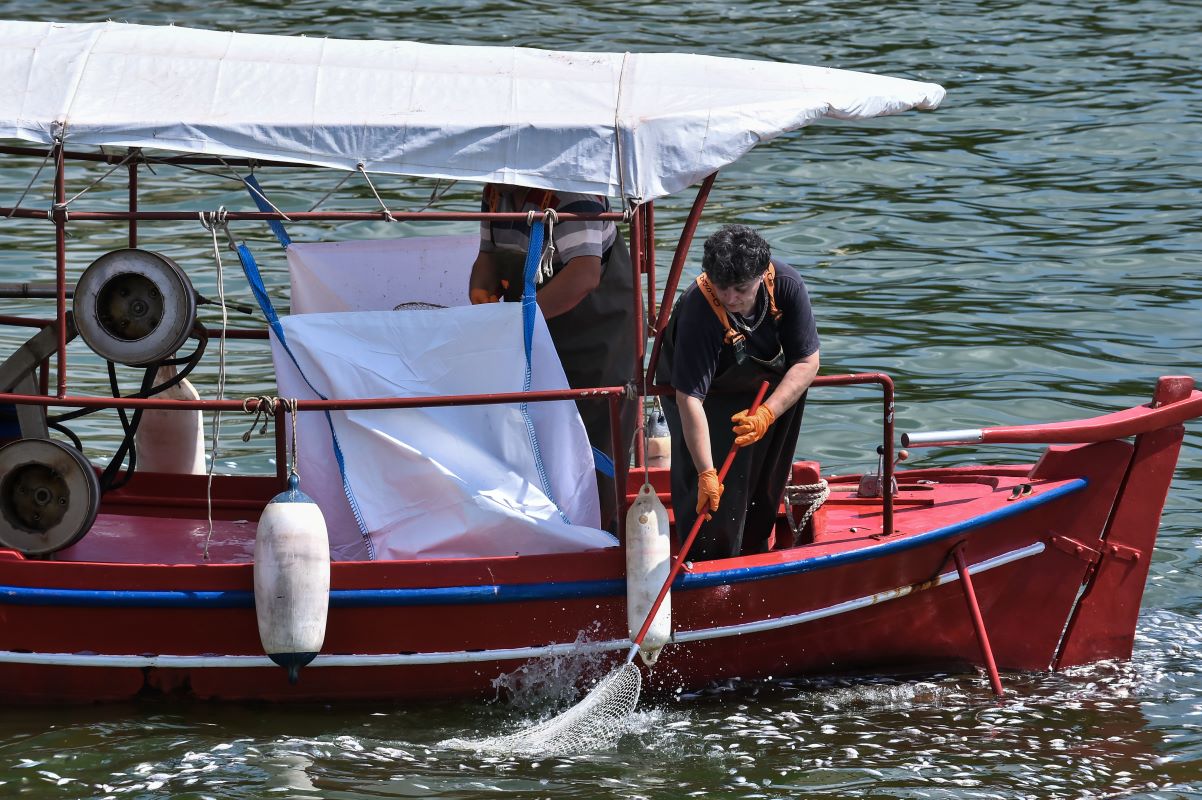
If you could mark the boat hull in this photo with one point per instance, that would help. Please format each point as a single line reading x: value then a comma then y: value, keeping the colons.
x: 850, y: 600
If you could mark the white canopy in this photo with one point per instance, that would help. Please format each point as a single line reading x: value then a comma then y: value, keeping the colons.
x: 637, y: 125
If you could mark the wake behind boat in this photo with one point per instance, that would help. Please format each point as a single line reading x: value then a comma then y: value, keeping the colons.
x: 124, y: 581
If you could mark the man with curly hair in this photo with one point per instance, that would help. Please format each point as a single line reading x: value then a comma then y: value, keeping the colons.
x: 747, y: 319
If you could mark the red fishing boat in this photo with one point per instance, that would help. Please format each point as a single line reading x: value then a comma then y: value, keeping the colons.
x: 119, y: 583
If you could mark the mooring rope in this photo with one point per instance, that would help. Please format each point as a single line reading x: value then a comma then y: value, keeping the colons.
x: 811, y: 494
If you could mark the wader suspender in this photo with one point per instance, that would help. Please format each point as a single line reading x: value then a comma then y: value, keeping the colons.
x: 734, y: 337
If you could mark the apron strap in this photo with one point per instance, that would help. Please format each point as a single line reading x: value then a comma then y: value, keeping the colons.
x: 711, y: 296
x: 707, y: 291
x: 770, y: 284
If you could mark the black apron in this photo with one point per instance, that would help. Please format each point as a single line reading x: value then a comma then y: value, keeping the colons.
x: 595, y: 343
x: 755, y: 484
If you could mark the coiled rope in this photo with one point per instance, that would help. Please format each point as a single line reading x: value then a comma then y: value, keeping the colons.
x: 812, y: 495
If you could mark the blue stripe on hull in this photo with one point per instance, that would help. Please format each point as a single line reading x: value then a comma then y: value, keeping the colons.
x: 510, y: 593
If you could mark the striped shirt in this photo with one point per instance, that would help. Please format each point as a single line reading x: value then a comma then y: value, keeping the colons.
x: 572, y: 238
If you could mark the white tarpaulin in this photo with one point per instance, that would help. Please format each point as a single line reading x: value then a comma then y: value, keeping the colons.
x: 637, y: 125
x: 439, y: 482
x: 380, y: 274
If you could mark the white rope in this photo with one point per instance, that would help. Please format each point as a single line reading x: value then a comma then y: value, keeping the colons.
x: 387, y: 214
x: 290, y: 404
x: 97, y: 182
x: 326, y: 196
x: 265, y: 408
x: 436, y: 195
x: 546, y: 264
x: 212, y: 220
x: 646, y: 443
x: 28, y: 186
x: 253, y: 189
x: 166, y: 162
x: 813, y: 495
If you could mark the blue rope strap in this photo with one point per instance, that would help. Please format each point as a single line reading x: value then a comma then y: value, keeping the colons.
x: 255, y: 279
x: 260, y: 198
x: 529, y: 306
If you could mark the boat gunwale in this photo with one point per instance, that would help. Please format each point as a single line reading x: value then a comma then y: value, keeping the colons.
x: 782, y: 563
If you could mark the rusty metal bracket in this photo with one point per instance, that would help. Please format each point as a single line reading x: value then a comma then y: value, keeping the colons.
x: 1071, y: 546
x: 1123, y: 552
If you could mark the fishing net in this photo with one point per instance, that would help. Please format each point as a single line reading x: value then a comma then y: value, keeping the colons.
x: 416, y: 306
x: 593, y: 723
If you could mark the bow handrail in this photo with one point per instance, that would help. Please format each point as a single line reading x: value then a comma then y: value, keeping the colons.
x: 1117, y: 425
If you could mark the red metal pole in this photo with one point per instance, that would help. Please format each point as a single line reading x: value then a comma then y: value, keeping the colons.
x: 619, y: 450
x: 978, y: 622
x: 314, y: 216
x: 85, y: 401
x: 60, y: 262
x: 637, y: 255
x: 682, y: 250
x: 649, y: 257
x: 133, y: 201
x: 887, y: 473
x: 282, y: 418
x: 678, y: 259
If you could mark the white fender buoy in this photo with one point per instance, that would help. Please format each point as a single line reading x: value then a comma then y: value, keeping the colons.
x: 171, y: 440
x: 659, y: 440
x: 648, y: 561
x: 292, y: 578
x: 659, y: 452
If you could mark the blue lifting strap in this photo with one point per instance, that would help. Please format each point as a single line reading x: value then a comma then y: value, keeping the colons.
x: 255, y: 279
x: 601, y: 462
x: 256, y: 194
x: 529, y: 305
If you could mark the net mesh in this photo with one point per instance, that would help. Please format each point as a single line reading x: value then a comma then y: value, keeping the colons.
x: 416, y: 305
x: 592, y: 724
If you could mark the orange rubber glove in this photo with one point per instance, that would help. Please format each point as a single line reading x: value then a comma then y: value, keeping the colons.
x: 478, y: 296
x: 709, y: 491
x: 750, y: 428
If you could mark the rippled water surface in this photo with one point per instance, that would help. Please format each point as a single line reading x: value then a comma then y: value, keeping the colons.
x: 1029, y: 252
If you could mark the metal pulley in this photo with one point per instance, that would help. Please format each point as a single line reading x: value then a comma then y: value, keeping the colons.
x: 49, y: 496
x: 134, y: 307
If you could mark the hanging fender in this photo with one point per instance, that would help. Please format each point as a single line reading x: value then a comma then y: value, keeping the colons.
x: 292, y: 579
x: 648, y: 560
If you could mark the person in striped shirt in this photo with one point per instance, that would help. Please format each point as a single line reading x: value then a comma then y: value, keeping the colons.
x: 588, y: 302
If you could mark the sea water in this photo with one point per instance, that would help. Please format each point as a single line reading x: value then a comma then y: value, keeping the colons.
x: 1030, y: 252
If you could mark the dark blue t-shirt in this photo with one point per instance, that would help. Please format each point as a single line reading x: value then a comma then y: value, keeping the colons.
x: 700, y: 351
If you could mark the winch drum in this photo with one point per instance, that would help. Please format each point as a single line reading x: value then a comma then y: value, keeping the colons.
x: 49, y: 496
x: 134, y: 307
